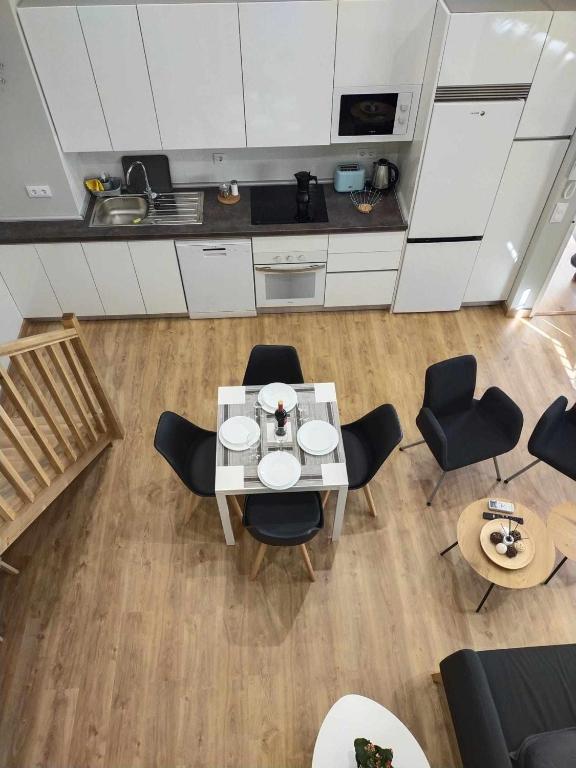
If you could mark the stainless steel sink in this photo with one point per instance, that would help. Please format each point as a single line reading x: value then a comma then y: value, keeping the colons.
x: 169, y: 208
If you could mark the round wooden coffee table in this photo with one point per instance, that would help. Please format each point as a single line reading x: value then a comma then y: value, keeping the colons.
x: 562, y: 529
x: 471, y: 522
x: 356, y: 717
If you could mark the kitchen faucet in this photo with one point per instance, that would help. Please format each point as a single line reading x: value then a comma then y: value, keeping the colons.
x: 148, y: 189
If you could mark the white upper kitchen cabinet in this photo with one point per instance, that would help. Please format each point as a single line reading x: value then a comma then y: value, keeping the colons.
x: 551, y: 105
x: 114, y: 42
x: 493, y: 48
x: 70, y: 276
x: 434, y: 276
x: 465, y: 155
x: 193, y: 53
x: 288, y: 67
x: 382, y: 42
x: 111, y: 265
x: 26, y: 279
x: 61, y: 59
x: 158, y: 275
x: 530, y: 172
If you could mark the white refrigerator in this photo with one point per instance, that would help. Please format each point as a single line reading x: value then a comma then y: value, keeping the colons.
x: 467, y: 148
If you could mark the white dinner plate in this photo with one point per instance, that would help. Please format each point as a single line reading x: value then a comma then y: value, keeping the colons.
x: 239, y: 433
x: 269, y: 396
x: 279, y: 470
x: 317, y: 437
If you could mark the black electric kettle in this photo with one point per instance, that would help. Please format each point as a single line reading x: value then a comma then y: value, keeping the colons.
x: 385, y: 175
x: 303, y: 179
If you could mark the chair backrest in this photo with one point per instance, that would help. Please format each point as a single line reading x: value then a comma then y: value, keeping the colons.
x: 174, y: 439
x: 273, y: 362
x: 380, y: 432
x: 450, y: 385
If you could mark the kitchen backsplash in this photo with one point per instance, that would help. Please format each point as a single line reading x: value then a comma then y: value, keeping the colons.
x: 246, y: 165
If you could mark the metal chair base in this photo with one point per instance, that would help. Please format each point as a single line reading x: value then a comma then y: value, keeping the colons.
x: 521, y: 471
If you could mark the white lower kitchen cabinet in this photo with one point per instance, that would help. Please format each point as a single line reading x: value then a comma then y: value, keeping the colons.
x: 358, y: 289
x: 525, y: 186
x: 158, y: 275
x: 434, y: 276
x: 71, y: 279
x: 27, y: 281
x: 113, y: 271
x: 10, y: 317
x: 218, y: 277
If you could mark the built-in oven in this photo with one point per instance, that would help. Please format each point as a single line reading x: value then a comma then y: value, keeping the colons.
x: 375, y: 113
x: 288, y: 280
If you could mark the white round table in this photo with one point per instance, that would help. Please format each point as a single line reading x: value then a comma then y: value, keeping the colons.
x: 356, y: 717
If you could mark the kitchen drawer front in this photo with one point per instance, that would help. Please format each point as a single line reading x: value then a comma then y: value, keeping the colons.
x: 364, y: 262
x: 359, y: 289
x: 290, y: 244
x: 365, y: 242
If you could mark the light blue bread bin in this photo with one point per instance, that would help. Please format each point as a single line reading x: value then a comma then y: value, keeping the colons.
x: 349, y: 177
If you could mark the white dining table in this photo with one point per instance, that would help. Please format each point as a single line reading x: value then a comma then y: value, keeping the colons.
x: 237, y: 471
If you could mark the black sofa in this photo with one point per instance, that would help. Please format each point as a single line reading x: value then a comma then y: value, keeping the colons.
x: 499, y: 698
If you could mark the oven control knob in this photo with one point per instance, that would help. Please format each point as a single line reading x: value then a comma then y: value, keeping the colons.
x: 300, y: 256
x: 277, y: 257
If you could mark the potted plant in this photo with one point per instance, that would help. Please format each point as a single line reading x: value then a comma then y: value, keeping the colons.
x: 369, y: 755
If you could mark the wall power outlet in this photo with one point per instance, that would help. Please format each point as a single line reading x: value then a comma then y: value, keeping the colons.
x: 38, y: 190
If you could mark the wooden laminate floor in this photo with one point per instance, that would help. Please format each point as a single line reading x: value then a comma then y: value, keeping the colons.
x: 133, y: 635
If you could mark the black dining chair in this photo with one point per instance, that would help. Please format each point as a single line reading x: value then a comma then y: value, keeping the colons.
x: 459, y: 429
x: 273, y: 362
x: 191, y: 452
x: 553, y: 440
x: 283, y: 520
x: 367, y: 444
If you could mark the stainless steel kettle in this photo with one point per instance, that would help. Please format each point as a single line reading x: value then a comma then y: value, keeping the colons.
x: 385, y: 175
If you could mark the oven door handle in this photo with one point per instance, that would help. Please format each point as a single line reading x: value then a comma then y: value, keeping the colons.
x: 289, y: 270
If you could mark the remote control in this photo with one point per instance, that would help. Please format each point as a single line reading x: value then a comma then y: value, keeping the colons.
x: 500, y: 516
x: 496, y: 505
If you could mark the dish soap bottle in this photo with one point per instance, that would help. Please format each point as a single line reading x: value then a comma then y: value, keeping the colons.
x: 280, y: 415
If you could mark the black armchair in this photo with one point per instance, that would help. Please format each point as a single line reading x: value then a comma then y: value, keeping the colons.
x: 283, y: 520
x: 273, y: 362
x: 459, y: 429
x: 191, y: 452
x: 367, y: 444
x: 553, y: 440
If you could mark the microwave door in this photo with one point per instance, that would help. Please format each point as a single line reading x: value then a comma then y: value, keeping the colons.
x: 367, y: 114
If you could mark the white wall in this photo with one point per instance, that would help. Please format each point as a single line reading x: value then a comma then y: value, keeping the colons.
x: 246, y: 165
x: 29, y: 152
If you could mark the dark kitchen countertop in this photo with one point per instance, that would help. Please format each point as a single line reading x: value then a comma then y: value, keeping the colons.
x: 220, y: 221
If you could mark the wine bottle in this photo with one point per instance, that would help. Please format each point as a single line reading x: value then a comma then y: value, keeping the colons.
x: 280, y: 415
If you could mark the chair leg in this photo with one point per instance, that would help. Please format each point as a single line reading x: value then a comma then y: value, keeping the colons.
x: 521, y: 471
x: 435, y: 491
x: 306, y: 557
x: 411, y: 445
x: 370, y: 499
x: 497, y: 468
x: 236, y: 508
x: 555, y: 571
x: 258, y: 561
x: 325, y: 497
x: 4, y: 566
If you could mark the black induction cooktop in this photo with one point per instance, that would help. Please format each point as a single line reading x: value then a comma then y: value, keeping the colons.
x: 276, y: 204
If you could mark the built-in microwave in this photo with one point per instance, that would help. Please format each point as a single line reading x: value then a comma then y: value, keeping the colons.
x: 375, y: 113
